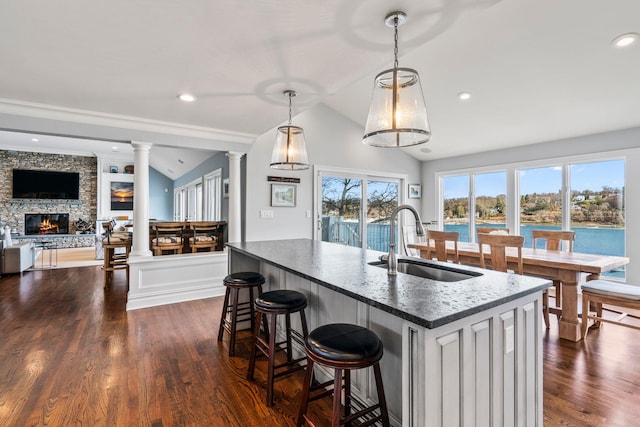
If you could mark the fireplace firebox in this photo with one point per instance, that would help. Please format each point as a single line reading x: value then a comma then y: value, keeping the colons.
x: 46, y: 223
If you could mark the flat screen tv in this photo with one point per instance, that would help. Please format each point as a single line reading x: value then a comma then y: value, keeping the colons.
x: 36, y: 184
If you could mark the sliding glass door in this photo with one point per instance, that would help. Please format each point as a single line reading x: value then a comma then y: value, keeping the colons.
x: 356, y: 210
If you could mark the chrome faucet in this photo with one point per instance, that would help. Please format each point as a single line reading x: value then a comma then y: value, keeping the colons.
x: 392, y: 262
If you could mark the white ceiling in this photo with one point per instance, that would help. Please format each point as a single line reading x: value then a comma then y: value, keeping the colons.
x: 537, y: 71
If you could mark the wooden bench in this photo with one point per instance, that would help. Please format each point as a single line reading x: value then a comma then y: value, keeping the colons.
x: 598, y: 292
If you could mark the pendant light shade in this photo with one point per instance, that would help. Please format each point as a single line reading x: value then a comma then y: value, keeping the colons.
x: 290, y: 150
x: 397, y: 114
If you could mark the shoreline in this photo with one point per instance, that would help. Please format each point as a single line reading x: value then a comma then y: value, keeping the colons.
x: 585, y: 225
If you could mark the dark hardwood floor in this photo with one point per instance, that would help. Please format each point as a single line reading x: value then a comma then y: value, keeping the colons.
x: 71, y: 355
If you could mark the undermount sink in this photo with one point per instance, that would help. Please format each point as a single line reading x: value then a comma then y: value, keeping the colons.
x: 429, y: 270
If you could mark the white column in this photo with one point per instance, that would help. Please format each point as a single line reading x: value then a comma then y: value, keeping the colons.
x: 141, y: 199
x: 235, y: 212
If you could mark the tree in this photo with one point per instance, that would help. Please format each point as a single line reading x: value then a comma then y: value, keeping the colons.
x: 337, y: 196
x: 382, y: 201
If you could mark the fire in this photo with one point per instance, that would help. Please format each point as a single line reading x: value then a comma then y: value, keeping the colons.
x: 47, y: 226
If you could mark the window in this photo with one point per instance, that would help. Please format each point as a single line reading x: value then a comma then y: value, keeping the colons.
x: 201, y: 199
x: 579, y: 195
x: 213, y: 196
x: 488, y: 196
x: 490, y: 190
x: 455, y: 206
x: 194, y: 200
x: 179, y: 204
x: 540, y: 200
x: 597, y: 208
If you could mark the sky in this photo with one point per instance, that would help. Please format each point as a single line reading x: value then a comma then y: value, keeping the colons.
x: 584, y: 176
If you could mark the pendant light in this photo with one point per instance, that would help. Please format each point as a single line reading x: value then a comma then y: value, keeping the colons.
x: 290, y: 151
x: 397, y: 114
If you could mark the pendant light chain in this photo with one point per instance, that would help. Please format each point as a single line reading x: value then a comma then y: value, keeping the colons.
x: 290, y: 95
x: 395, y: 49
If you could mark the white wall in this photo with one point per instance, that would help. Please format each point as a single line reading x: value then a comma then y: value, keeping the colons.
x: 628, y: 139
x: 332, y: 140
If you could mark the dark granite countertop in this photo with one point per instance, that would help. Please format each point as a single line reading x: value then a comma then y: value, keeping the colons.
x: 422, y: 301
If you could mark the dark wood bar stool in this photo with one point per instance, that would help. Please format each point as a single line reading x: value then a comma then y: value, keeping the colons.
x: 238, y: 312
x: 270, y: 305
x: 343, y: 347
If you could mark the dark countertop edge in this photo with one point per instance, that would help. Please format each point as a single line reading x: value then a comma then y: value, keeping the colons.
x: 429, y: 324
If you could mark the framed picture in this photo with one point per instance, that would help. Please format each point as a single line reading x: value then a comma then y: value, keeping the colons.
x: 415, y: 191
x: 283, y: 195
x: 225, y: 188
x: 113, y: 169
x: 121, y: 196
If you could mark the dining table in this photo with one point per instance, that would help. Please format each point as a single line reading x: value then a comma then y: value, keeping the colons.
x: 566, y: 267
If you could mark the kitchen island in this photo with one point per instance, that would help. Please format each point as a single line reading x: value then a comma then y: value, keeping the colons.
x: 466, y: 352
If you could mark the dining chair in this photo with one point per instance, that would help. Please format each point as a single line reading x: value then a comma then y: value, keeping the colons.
x: 554, y: 242
x: 204, y: 236
x: 167, y: 236
x: 498, y: 245
x: 439, y: 248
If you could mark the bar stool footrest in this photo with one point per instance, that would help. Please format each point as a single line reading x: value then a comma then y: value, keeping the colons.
x: 363, y: 412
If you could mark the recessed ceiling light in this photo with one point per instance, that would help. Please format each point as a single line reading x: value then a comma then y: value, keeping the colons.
x: 425, y: 150
x: 180, y: 161
x: 464, y: 96
x: 35, y: 139
x: 186, y: 97
x: 114, y: 148
x: 625, y: 40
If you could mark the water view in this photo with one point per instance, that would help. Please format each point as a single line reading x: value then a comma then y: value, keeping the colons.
x: 592, y: 240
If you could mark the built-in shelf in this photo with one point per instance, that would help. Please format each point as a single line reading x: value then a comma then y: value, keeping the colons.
x: 119, y: 173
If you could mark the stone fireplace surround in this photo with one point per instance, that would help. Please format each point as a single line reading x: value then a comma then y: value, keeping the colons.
x: 12, y: 211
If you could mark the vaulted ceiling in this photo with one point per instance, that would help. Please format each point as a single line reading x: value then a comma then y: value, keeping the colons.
x: 536, y: 71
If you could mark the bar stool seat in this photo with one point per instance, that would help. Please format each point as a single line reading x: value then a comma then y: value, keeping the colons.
x: 235, y: 310
x: 291, y: 301
x: 269, y: 305
x: 343, y: 346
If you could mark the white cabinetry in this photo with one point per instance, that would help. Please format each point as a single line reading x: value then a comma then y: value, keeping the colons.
x: 105, y: 179
x: 484, y: 370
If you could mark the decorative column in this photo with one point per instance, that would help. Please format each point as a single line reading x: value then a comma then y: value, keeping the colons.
x: 141, y: 199
x: 235, y: 213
